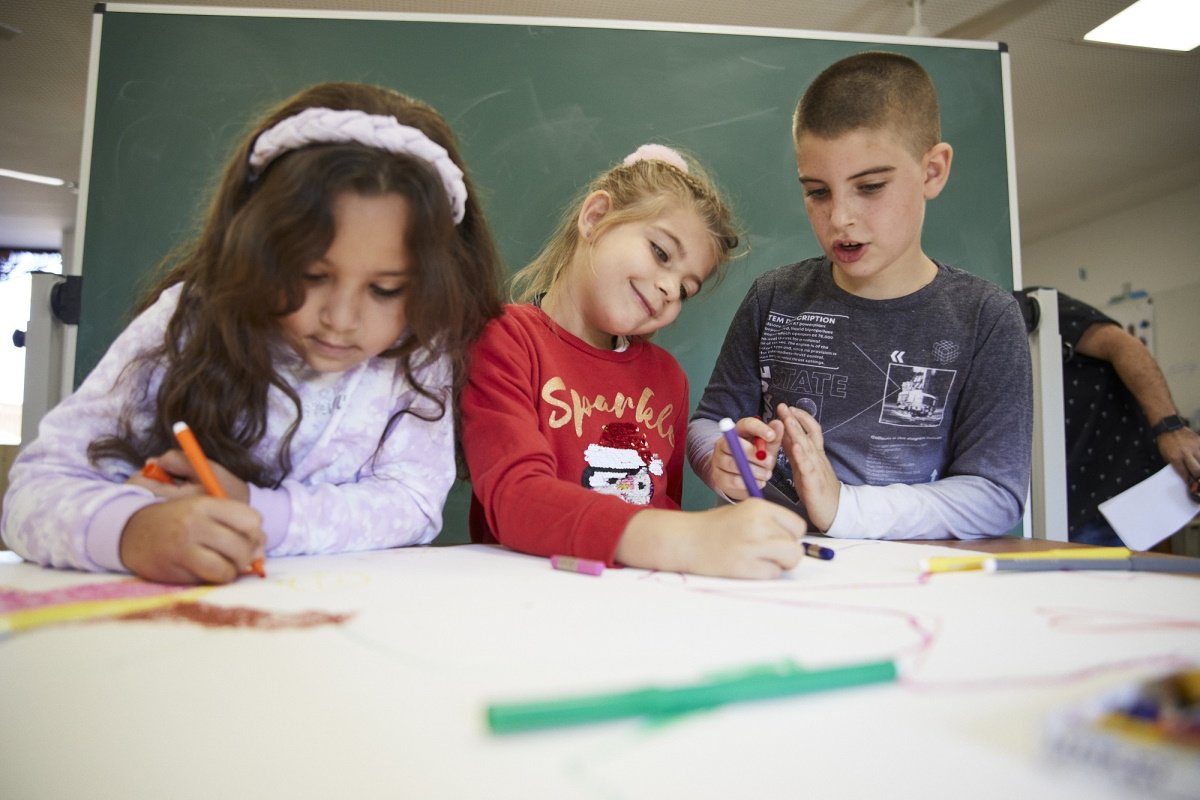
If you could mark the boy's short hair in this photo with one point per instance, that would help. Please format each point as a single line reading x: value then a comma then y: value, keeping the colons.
x: 872, y: 90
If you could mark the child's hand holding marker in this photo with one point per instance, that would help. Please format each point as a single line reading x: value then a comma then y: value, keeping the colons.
x: 751, y: 539
x: 192, y: 539
x: 763, y: 440
x: 198, y: 535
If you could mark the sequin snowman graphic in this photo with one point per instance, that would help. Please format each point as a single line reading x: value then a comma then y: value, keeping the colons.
x: 621, y: 464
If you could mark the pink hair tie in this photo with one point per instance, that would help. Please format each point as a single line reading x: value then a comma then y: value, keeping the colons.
x: 657, y: 152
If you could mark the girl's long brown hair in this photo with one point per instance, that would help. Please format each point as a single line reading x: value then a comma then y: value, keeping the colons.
x: 243, y: 273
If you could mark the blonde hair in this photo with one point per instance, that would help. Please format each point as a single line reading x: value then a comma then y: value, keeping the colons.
x: 638, y: 190
x: 872, y: 90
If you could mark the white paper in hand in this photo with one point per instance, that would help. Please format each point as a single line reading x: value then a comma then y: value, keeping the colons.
x: 1146, y: 514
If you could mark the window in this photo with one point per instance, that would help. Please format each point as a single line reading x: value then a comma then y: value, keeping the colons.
x: 15, y: 267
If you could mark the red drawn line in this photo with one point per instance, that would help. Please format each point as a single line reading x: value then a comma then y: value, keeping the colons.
x: 1090, y: 620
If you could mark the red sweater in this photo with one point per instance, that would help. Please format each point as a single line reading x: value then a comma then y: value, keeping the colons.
x: 565, y: 442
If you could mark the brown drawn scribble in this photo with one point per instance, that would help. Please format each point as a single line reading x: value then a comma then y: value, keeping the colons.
x: 214, y: 616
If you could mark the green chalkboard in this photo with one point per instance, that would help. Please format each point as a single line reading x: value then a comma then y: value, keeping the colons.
x: 538, y: 108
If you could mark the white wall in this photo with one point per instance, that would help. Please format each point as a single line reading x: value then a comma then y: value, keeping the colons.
x: 1177, y: 320
x: 1154, y: 247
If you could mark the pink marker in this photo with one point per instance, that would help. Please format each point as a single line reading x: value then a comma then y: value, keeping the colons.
x: 571, y: 564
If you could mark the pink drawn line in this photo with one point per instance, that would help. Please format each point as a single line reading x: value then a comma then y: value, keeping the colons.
x: 21, y: 600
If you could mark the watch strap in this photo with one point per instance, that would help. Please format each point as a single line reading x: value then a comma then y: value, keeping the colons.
x: 1171, y: 422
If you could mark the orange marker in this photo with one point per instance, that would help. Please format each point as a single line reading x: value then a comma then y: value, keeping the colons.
x: 208, y: 479
x: 156, y: 473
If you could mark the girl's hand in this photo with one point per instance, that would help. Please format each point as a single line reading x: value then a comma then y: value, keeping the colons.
x: 816, y: 483
x: 724, y: 475
x: 196, y: 539
x: 179, y: 468
x: 752, y: 539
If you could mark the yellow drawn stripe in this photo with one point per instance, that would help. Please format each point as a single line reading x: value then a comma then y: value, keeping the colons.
x: 27, y: 619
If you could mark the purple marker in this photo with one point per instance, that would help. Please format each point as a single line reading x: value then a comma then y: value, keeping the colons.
x: 739, y: 455
x: 571, y: 564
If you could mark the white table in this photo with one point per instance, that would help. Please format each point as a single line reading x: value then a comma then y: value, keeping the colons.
x: 390, y: 701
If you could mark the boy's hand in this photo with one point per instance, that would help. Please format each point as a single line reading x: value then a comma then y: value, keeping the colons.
x: 724, y: 475
x: 176, y: 464
x: 752, y: 539
x: 816, y: 484
x: 196, y: 539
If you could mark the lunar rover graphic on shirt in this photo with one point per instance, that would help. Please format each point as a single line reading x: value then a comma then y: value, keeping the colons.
x: 916, y: 396
x: 622, y: 464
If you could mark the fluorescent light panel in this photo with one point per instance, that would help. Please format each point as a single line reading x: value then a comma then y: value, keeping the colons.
x: 25, y: 176
x: 1158, y: 24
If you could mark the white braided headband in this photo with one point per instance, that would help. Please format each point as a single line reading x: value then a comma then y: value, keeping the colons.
x: 326, y: 126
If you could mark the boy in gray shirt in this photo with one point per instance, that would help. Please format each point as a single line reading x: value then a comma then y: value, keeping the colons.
x: 892, y: 391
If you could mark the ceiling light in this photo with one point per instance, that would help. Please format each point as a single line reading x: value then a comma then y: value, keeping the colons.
x: 25, y: 176
x: 1158, y: 24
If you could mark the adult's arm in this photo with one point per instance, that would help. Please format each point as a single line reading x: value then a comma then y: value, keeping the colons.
x: 1141, y: 375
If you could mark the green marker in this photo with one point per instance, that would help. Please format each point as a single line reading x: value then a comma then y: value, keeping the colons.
x: 758, y: 684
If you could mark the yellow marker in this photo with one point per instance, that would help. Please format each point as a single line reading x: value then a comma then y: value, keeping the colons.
x: 29, y: 618
x: 963, y: 563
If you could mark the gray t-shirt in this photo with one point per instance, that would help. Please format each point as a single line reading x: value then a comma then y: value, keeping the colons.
x: 925, y: 401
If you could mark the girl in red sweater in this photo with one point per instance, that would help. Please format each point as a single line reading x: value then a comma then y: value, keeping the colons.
x: 574, y: 424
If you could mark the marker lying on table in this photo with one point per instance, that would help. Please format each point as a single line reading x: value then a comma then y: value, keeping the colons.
x: 756, y: 684
x: 208, y: 478
x: 571, y: 564
x: 959, y: 563
x: 1134, y: 563
x: 739, y: 455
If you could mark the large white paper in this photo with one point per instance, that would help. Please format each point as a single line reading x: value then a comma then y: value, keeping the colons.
x: 389, y: 703
x: 1151, y: 511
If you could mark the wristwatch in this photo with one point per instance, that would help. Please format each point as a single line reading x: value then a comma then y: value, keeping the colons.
x: 1172, y: 422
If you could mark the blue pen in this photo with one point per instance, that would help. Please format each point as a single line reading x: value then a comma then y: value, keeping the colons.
x: 739, y: 455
